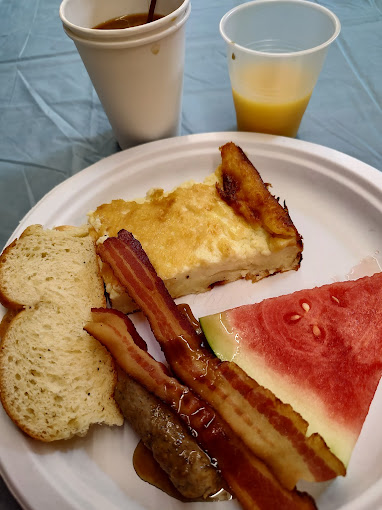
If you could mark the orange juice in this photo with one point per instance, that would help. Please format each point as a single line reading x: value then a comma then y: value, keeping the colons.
x: 270, y: 99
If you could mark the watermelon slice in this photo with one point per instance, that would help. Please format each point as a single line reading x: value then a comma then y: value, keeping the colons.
x: 319, y: 350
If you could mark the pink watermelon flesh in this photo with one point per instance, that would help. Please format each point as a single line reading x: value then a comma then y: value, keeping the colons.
x: 326, y: 340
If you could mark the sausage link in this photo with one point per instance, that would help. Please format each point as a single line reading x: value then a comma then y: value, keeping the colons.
x: 173, y: 447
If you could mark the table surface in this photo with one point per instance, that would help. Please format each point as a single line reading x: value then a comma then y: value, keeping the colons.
x: 52, y: 124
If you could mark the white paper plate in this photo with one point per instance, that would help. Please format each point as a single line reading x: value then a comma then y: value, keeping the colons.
x: 335, y: 202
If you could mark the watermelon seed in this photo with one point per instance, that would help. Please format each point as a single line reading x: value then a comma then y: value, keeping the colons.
x: 306, y: 307
x: 316, y: 330
x: 295, y: 317
x: 336, y: 299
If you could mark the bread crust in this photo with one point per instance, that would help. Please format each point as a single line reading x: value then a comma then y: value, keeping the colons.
x: 5, y: 322
x: 4, y: 299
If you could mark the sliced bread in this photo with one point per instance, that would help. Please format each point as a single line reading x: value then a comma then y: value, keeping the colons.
x: 55, y: 379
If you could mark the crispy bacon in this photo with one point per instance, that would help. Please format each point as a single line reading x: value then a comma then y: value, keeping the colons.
x: 249, y: 479
x: 271, y: 429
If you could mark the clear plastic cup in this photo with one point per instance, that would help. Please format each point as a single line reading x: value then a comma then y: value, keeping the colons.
x: 137, y: 72
x: 275, y: 51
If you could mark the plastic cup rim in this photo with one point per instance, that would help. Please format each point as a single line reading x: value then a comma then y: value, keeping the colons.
x: 129, y: 42
x: 267, y: 54
x: 120, y: 32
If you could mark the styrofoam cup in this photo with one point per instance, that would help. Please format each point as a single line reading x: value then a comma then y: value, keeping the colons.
x: 137, y: 72
x: 276, y: 50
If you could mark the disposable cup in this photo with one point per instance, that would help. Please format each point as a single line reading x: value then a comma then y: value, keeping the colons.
x: 275, y: 52
x: 137, y: 72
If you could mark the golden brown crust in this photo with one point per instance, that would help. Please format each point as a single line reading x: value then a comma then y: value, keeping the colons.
x: 4, y: 300
x: 244, y: 190
x: 6, y: 320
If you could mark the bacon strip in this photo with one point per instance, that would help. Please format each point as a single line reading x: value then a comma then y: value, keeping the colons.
x: 271, y: 429
x: 249, y: 479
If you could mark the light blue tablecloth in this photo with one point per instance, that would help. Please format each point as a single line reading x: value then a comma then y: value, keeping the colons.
x: 52, y: 124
